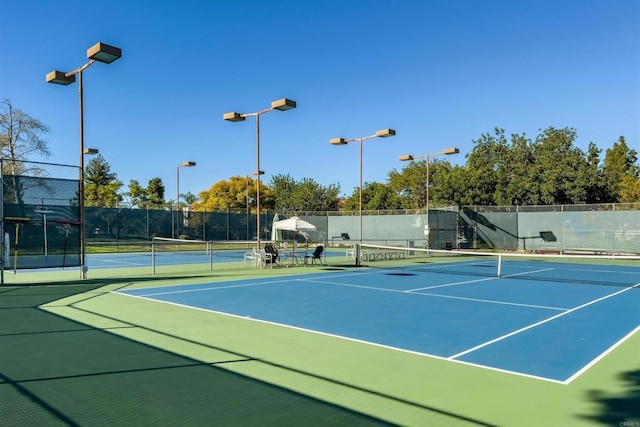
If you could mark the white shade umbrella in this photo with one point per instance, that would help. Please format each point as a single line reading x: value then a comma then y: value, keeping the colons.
x: 276, y: 235
x: 294, y: 224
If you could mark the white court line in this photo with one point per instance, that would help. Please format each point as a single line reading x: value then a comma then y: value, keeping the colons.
x: 429, y: 355
x: 586, y: 367
x: 272, y: 281
x: 212, y: 288
x: 438, y: 267
x: 493, y: 341
x: 527, y: 272
x: 449, y: 359
x: 486, y: 301
x: 584, y: 270
x: 452, y: 284
x: 108, y: 261
x: 306, y: 280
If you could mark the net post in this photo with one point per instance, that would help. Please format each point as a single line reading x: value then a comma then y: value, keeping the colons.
x: 210, y: 251
x: 357, y: 255
x: 153, y: 258
x: 499, y: 265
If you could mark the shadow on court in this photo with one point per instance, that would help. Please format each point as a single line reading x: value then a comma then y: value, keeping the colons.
x: 620, y: 408
x: 54, y: 371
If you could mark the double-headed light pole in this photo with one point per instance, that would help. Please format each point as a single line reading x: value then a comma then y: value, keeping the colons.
x: 427, y: 157
x: 102, y: 53
x: 283, y: 104
x: 384, y: 133
x: 181, y: 165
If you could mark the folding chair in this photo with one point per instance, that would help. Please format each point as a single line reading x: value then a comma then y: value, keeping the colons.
x: 317, y: 253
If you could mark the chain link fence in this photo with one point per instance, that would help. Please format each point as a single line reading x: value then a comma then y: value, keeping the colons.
x: 40, y: 215
x: 40, y: 224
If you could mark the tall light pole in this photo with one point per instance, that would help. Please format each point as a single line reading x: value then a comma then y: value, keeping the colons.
x: 384, y: 133
x: 102, y: 53
x: 427, y: 157
x: 181, y: 165
x: 283, y: 104
x: 247, y: 198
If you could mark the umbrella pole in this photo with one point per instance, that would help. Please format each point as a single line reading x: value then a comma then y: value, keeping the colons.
x: 66, y: 226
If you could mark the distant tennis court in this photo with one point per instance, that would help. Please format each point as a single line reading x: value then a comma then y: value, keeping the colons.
x: 168, y: 252
x: 549, y: 329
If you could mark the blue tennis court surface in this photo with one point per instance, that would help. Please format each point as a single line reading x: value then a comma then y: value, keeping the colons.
x: 143, y: 259
x: 111, y: 260
x: 548, y: 330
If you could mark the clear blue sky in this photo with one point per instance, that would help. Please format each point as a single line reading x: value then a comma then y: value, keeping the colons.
x: 440, y: 73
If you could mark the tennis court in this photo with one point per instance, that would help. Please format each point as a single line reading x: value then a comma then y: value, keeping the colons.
x: 99, y: 261
x: 403, y: 340
x: 503, y: 323
x: 168, y: 253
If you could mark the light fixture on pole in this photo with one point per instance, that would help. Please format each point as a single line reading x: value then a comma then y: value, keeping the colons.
x: 181, y: 165
x: 427, y: 157
x: 384, y: 133
x: 99, y: 52
x: 283, y: 104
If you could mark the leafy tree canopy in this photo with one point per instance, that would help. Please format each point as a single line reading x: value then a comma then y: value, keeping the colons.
x: 101, y: 185
x: 499, y: 170
x: 237, y: 192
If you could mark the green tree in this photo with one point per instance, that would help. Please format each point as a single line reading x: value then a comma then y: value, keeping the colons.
x: 284, y: 187
x: 311, y: 196
x: 629, y: 189
x: 454, y: 184
x: 486, y: 156
x: 515, y: 183
x: 155, y: 192
x: 498, y: 171
x: 137, y: 194
x: 439, y: 191
x: 375, y: 196
x: 560, y: 168
x: 237, y: 192
x: 620, y: 161
x: 101, y: 186
x: 189, y: 198
x: 304, y: 196
x: 410, y: 184
x: 596, y: 188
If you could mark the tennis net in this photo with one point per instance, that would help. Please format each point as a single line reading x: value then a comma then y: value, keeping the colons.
x: 162, y: 252
x: 232, y: 250
x: 166, y: 250
x: 177, y: 246
x: 157, y: 244
x: 614, y: 270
